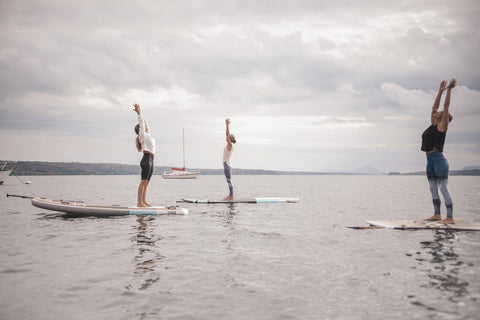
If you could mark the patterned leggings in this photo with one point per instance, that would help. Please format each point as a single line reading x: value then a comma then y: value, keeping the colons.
x: 228, y: 174
x: 437, y: 175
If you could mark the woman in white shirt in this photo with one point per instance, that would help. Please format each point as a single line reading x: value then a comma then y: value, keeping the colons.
x: 146, y: 144
x: 227, y: 154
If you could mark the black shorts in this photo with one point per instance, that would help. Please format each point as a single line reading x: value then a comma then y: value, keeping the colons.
x: 147, y: 166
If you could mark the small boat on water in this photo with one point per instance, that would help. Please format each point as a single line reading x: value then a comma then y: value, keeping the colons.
x: 181, y: 173
x: 4, y: 173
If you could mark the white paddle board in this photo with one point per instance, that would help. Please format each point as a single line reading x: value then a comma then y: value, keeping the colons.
x: 79, y: 208
x: 466, y: 224
x: 243, y: 200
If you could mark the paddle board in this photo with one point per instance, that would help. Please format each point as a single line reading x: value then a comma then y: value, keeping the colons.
x: 465, y: 224
x: 244, y: 200
x: 80, y: 208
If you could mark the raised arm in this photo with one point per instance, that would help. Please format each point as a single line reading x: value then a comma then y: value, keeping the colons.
x: 436, y: 103
x: 443, y: 125
x: 136, y: 108
x: 141, y: 119
x: 227, y: 132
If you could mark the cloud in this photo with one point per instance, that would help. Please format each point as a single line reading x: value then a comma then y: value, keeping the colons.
x: 302, y: 80
x: 348, y: 88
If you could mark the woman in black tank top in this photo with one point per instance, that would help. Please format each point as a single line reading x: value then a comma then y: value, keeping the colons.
x: 433, y: 140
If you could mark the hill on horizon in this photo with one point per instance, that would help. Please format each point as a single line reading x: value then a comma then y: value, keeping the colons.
x: 366, y: 169
x: 471, y: 168
x: 33, y: 168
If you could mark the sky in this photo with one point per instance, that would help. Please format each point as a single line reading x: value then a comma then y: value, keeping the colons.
x: 308, y: 85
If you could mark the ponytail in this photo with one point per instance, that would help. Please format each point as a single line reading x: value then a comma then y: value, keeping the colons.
x: 137, y: 140
x: 139, y: 145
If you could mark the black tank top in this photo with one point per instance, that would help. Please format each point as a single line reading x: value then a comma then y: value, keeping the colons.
x: 433, y: 140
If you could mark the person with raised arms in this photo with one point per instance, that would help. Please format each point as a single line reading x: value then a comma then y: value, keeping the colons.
x: 433, y: 140
x: 227, y: 154
x: 146, y: 144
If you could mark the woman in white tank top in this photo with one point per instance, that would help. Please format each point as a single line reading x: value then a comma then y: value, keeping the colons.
x: 227, y: 154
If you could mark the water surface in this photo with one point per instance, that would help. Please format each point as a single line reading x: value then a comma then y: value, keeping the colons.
x: 238, y: 261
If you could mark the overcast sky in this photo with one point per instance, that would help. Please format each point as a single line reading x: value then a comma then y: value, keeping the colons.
x: 309, y: 85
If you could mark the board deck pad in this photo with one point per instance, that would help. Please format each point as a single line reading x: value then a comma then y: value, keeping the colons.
x: 465, y: 224
x: 243, y: 200
x: 80, y: 208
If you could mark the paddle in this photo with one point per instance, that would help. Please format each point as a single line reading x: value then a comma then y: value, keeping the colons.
x: 18, y: 196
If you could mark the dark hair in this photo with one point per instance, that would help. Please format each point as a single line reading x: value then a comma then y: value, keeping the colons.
x: 232, y: 139
x: 137, y: 140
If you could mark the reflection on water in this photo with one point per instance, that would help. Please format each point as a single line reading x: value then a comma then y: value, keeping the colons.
x: 446, y: 265
x: 147, y: 258
x: 229, y: 214
x: 442, y: 267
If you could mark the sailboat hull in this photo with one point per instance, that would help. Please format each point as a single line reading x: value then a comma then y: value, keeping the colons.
x: 181, y: 175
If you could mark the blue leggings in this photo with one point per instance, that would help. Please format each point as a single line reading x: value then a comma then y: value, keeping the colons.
x: 437, y: 175
x: 228, y: 174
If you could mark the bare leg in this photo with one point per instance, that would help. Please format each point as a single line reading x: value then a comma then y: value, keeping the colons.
x: 145, y: 194
x: 141, y: 193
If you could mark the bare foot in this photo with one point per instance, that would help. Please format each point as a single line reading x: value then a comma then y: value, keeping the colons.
x: 228, y: 198
x: 447, y: 221
x: 142, y: 205
x: 148, y: 205
x: 435, y: 217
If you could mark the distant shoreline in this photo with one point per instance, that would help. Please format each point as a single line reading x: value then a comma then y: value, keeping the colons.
x: 41, y: 168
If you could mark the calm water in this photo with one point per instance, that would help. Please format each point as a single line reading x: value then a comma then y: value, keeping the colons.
x: 243, y: 261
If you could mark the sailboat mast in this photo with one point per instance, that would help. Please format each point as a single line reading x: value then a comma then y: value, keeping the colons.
x: 183, y: 138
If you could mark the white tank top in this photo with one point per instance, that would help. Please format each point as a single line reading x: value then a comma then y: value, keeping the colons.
x: 227, y: 155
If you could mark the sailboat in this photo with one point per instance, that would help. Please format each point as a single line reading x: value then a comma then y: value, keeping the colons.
x: 4, y: 173
x: 181, y: 173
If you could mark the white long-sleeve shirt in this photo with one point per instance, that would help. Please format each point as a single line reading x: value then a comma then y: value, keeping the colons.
x: 146, y: 140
